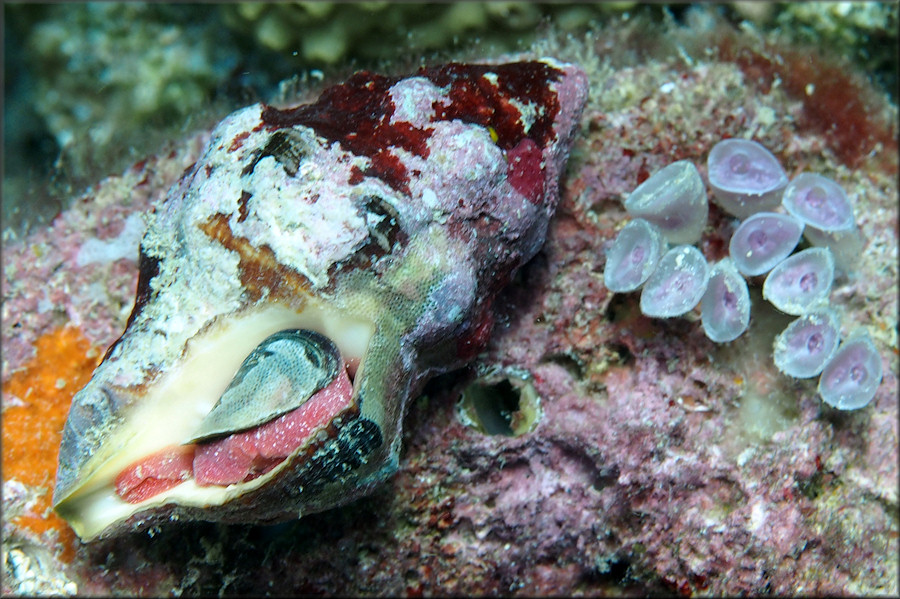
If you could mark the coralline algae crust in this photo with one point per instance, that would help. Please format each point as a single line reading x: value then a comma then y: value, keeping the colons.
x: 414, y: 100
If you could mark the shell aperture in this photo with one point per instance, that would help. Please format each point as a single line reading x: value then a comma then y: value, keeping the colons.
x: 247, y: 454
x: 281, y: 373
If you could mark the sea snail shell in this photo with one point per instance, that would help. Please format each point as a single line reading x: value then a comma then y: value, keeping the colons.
x: 380, y: 221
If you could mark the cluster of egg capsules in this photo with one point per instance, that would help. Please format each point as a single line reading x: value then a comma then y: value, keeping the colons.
x: 748, y: 182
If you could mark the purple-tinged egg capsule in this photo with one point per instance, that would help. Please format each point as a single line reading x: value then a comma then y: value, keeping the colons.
x: 801, y: 282
x: 745, y: 177
x: 725, y: 307
x: 853, y: 373
x: 633, y: 256
x: 674, y: 200
x: 677, y: 284
x: 764, y: 240
x: 824, y: 208
x: 846, y: 246
x: 803, y: 348
x: 818, y: 202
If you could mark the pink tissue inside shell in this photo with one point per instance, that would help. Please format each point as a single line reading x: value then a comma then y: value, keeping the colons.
x: 156, y: 473
x: 239, y: 457
x: 244, y: 456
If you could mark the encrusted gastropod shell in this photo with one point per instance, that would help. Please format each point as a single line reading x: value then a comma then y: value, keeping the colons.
x: 369, y: 232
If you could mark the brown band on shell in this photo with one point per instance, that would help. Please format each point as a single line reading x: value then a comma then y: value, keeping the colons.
x: 242, y: 205
x: 261, y: 273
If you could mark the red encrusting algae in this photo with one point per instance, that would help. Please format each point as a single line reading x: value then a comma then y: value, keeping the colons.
x: 837, y: 103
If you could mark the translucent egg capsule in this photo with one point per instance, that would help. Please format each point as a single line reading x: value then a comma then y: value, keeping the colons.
x: 846, y: 246
x: 824, y: 208
x: 818, y: 202
x: 674, y: 200
x: 852, y: 375
x: 745, y: 177
x: 803, y: 348
x: 764, y: 240
x: 725, y: 308
x: 801, y: 282
x: 634, y: 254
x: 677, y: 284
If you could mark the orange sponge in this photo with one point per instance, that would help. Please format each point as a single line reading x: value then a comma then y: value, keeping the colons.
x: 32, y: 427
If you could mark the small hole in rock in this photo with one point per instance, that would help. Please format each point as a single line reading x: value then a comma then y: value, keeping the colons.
x: 566, y: 361
x: 494, y: 406
x: 622, y: 308
x: 612, y: 572
x: 622, y: 351
x: 505, y: 403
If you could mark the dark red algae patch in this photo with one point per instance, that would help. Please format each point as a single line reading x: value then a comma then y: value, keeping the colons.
x: 477, y: 100
x: 238, y: 141
x: 524, y: 171
x: 836, y: 104
x: 357, y: 113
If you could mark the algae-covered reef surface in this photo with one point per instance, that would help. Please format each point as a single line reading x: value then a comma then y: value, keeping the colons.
x: 652, y: 460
